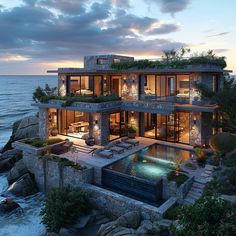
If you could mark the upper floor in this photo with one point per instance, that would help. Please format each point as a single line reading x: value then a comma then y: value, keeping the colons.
x: 166, y: 84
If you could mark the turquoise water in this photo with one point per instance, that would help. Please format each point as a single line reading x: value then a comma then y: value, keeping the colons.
x: 16, y: 99
x: 152, y: 162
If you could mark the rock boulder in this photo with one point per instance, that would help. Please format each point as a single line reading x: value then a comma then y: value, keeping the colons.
x: 8, y: 206
x: 24, y: 186
x: 17, y: 171
x: 24, y: 128
x: 9, y: 158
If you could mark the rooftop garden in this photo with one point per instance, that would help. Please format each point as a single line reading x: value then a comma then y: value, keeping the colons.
x: 44, y: 95
x: 174, y: 59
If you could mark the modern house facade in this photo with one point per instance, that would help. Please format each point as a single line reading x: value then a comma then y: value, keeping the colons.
x: 161, y: 104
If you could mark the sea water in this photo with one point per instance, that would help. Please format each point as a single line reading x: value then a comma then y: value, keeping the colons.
x: 15, y: 103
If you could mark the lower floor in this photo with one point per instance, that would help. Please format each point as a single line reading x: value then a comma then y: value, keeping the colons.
x: 187, y: 127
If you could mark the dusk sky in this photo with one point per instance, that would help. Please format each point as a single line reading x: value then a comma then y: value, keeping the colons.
x: 37, y: 35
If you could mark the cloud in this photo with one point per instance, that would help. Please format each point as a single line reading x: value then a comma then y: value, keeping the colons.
x: 219, y: 34
x: 164, y: 29
x: 171, y: 6
x: 43, y: 32
x: 221, y: 50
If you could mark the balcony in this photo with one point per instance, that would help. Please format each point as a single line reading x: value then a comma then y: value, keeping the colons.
x: 163, y: 99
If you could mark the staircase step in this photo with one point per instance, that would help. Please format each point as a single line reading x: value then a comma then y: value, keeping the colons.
x: 209, y: 167
x: 189, y: 200
x: 196, y: 190
x: 165, y: 222
x: 194, y: 195
x: 198, y: 185
x: 203, y: 180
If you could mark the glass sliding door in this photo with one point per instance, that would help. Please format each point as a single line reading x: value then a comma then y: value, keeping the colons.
x: 150, y: 125
x: 183, y: 127
x: 171, y: 127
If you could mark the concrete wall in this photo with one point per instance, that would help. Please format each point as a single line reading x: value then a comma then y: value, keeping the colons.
x: 170, y: 189
x: 90, y: 62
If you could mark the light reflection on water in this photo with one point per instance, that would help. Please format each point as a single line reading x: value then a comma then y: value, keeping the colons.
x: 151, y: 163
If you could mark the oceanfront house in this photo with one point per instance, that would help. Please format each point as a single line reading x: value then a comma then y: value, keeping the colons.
x: 113, y: 94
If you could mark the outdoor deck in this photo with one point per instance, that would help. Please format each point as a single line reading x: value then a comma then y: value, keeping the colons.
x: 98, y: 162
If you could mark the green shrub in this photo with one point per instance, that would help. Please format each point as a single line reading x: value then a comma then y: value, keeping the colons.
x: 173, y: 212
x: 210, y: 216
x: 37, y: 142
x: 63, y: 161
x: 201, y: 155
x: 63, y: 206
x: 223, y: 142
x: 230, y: 161
x: 44, y: 94
x: 191, y: 165
x: 179, y: 179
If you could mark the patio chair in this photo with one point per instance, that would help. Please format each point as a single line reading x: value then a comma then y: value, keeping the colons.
x: 123, y: 145
x: 115, y: 149
x: 103, y: 153
x: 133, y: 142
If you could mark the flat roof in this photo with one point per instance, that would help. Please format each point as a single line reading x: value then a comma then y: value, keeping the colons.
x: 192, y: 69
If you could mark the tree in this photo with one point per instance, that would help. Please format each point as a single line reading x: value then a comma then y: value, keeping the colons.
x: 63, y: 206
x: 210, y: 216
x: 47, y: 91
x: 226, y: 100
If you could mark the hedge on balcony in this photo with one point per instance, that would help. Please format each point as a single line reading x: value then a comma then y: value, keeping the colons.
x: 70, y: 100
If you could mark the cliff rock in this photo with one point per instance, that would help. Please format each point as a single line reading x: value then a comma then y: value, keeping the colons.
x: 24, y: 128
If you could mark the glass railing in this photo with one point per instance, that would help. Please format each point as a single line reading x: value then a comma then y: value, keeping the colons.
x: 172, y: 99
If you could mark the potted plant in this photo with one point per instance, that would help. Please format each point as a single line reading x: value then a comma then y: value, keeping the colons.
x: 54, y: 131
x: 132, y: 132
x: 90, y: 141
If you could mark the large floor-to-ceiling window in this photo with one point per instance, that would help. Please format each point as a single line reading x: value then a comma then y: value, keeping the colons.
x: 73, y: 123
x: 164, y: 87
x: 80, y: 85
x: 172, y: 127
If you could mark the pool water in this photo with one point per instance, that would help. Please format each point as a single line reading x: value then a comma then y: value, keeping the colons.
x: 151, y: 163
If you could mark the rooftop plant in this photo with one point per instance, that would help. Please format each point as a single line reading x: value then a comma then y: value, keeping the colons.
x: 174, y: 59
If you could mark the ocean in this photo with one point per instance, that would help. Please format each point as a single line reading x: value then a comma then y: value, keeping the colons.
x: 15, y: 103
x: 16, y: 99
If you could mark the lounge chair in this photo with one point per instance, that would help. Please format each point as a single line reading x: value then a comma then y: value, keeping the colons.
x: 133, y: 142
x: 123, y: 145
x: 115, y: 149
x: 103, y: 153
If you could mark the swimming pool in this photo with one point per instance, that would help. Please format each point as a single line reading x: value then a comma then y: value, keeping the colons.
x: 141, y: 173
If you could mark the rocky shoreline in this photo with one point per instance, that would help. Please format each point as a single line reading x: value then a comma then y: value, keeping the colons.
x: 21, y: 181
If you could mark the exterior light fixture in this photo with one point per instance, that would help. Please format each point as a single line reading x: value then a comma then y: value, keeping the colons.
x: 133, y: 81
x: 95, y: 122
x: 132, y: 113
x: 194, y: 120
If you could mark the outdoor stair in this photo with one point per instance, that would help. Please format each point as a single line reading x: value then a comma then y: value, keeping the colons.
x: 198, y: 185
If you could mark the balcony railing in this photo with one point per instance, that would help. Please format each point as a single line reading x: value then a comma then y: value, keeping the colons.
x: 169, y: 99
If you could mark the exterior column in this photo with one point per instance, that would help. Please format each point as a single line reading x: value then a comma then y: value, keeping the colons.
x: 206, y: 133
x: 104, y: 124
x: 195, y: 128
x: 141, y: 124
x: 43, y: 123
